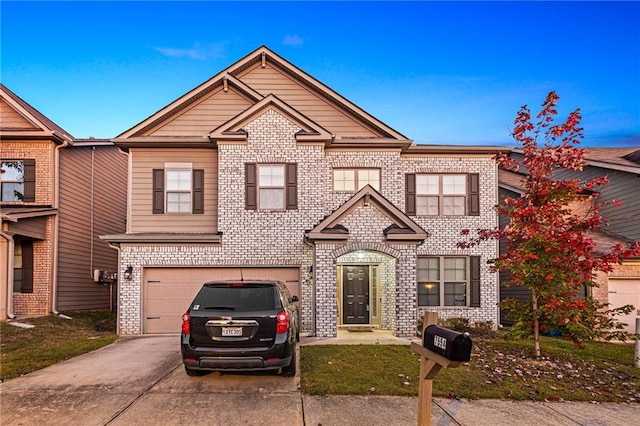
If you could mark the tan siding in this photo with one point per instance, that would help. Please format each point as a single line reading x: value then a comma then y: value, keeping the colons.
x: 142, y: 218
x: 270, y: 80
x: 30, y: 227
x: 80, y: 249
x: 11, y: 119
x: 205, y: 116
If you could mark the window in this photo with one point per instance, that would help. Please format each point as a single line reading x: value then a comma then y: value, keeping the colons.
x: 271, y: 186
x: 17, y: 178
x: 178, y: 189
x: 446, y: 281
x: 23, y: 267
x: 355, y: 179
x: 442, y: 194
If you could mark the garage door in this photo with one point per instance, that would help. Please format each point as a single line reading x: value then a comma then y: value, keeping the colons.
x: 168, y: 291
x: 625, y: 292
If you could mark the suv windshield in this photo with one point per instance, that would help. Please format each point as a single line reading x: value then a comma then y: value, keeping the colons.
x: 237, y: 297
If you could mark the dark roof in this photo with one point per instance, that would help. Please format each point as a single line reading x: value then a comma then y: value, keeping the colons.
x: 616, y: 156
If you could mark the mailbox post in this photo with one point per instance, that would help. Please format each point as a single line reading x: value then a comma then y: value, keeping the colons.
x: 441, y: 348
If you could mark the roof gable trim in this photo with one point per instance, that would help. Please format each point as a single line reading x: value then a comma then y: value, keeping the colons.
x: 233, y: 129
x: 402, y: 227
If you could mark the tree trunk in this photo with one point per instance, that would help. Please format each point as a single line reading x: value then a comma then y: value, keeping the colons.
x: 536, y: 323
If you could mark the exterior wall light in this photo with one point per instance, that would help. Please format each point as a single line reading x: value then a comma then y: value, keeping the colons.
x: 128, y: 273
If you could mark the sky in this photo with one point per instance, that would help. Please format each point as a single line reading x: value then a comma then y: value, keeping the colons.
x: 452, y: 72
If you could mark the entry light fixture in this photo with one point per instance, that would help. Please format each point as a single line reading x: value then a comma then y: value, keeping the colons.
x: 128, y: 273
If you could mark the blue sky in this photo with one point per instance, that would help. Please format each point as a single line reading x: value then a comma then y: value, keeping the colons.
x: 438, y: 72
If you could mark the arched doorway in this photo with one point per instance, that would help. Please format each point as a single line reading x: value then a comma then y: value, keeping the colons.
x: 366, y: 281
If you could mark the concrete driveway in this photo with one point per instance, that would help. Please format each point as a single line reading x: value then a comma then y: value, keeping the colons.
x: 142, y: 381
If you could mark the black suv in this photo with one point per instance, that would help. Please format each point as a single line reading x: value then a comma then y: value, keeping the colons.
x: 241, y: 325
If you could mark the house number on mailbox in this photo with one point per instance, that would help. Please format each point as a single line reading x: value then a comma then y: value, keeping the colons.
x: 440, y: 342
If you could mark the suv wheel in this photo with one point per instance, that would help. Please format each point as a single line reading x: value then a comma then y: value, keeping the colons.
x: 290, y: 370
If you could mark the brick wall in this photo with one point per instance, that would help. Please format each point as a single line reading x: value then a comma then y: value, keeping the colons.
x: 38, y: 302
x: 43, y: 153
x: 277, y: 237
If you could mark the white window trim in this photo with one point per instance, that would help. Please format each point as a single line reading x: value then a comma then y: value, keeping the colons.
x: 282, y: 187
x: 177, y: 167
x: 441, y: 195
x: 356, y: 182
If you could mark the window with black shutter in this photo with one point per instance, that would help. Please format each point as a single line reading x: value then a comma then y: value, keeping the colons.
x: 271, y: 186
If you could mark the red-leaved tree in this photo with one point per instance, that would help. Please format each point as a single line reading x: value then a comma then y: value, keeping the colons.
x: 549, y: 248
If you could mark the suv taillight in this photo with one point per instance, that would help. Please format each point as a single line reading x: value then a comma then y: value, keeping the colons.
x: 186, y: 323
x: 282, y: 324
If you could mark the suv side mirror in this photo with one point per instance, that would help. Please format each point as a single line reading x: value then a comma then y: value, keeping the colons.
x: 293, y: 299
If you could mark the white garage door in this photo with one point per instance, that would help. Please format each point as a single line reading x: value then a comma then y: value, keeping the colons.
x: 168, y: 291
x: 625, y: 292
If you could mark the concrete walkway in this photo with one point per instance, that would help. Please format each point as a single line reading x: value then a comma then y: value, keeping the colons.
x: 140, y: 381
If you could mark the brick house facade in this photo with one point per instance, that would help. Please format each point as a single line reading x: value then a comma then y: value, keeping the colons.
x: 294, y: 182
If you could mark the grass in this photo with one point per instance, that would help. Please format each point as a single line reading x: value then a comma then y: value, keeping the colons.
x: 499, y: 369
x: 52, y: 340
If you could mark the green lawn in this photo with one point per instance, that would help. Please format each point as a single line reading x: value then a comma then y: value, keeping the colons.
x: 53, y: 339
x: 498, y: 369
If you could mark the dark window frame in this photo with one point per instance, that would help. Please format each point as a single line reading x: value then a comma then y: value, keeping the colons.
x: 472, y: 194
x: 28, y: 181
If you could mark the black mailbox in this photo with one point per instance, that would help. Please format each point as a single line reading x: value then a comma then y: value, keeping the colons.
x: 448, y: 343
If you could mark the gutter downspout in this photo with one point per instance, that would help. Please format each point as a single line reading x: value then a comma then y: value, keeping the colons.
x: 56, y: 223
x: 117, y: 248
x: 10, y: 251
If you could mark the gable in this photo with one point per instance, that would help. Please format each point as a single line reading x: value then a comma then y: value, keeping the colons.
x: 400, y: 228
x: 233, y: 130
x: 19, y: 120
x: 240, y: 87
x: 202, y: 117
x: 10, y: 119
x: 272, y: 80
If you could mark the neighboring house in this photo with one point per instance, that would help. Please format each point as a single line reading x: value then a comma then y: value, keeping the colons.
x: 58, y: 195
x: 622, y: 167
x: 264, y: 172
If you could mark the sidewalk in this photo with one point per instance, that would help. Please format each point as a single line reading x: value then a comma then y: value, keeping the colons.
x: 400, y: 411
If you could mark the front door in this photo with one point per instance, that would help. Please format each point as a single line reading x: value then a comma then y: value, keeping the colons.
x: 355, y: 294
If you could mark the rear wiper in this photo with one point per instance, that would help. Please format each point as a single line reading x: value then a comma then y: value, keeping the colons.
x: 221, y: 308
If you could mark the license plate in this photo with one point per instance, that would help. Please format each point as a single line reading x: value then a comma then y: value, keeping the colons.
x: 231, y: 331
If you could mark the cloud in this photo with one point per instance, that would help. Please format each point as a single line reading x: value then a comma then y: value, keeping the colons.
x: 293, y: 40
x: 196, y: 52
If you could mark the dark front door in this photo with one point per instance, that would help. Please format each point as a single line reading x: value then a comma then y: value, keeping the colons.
x: 355, y: 294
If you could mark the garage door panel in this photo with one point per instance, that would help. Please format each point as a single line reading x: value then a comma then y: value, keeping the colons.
x: 168, y: 291
x: 625, y: 292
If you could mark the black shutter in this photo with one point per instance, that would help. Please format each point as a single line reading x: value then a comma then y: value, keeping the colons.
x: 292, y: 186
x: 158, y: 191
x: 474, y: 194
x: 198, y: 191
x: 29, y: 179
x: 27, y: 267
x: 474, y: 282
x: 250, y: 187
x: 410, y: 194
